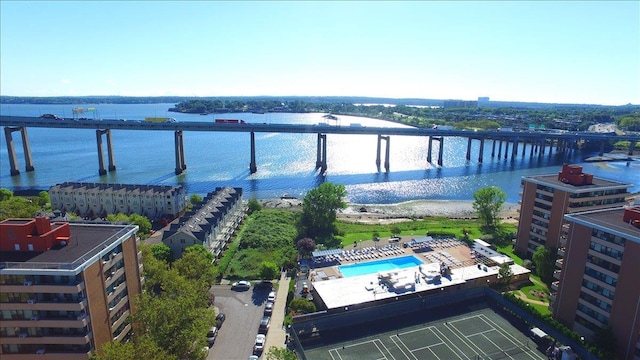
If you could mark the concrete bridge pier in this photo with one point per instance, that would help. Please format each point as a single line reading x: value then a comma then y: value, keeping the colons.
x: 481, y: 153
x: 11, y: 151
x: 468, y: 149
x: 601, y: 148
x: 252, y: 165
x: 493, y: 149
x: 112, y: 166
x: 441, y: 151
x: 506, y: 148
x: 179, y: 150
x: 500, y: 149
x: 386, y: 152
x: 632, y: 146
x: 534, y: 147
x: 321, y: 159
x: 514, y: 152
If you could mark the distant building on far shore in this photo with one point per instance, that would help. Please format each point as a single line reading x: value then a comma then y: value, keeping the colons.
x: 456, y: 104
x: 483, y: 101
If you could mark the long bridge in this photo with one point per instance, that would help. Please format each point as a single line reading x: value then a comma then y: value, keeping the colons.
x: 538, y: 141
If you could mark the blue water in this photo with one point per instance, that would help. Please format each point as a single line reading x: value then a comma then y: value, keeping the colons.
x: 286, y: 162
x: 372, y: 267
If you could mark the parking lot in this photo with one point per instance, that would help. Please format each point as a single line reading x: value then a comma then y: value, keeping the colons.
x: 243, y: 310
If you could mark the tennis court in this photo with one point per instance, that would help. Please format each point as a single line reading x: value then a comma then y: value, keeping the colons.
x: 478, y: 334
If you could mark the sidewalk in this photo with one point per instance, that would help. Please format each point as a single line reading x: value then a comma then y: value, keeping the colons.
x: 277, y: 333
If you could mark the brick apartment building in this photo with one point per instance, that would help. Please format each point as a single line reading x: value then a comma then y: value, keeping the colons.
x: 547, y: 198
x: 599, y: 281
x: 65, y: 288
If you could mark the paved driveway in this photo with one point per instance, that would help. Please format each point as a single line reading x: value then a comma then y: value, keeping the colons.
x: 243, y: 310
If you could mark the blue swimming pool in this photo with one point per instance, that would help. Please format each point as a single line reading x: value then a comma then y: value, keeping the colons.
x: 372, y: 267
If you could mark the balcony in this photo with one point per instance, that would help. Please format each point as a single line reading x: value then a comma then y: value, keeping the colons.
x: 79, y: 305
x: 561, y: 251
x: 557, y: 274
x: 36, y: 321
x: 559, y: 263
x: 31, y: 287
x: 552, y: 298
x: 50, y: 356
x: 24, y: 339
x: 123, y: 333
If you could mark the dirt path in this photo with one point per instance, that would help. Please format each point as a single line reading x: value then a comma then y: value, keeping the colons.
x: 524, y: 297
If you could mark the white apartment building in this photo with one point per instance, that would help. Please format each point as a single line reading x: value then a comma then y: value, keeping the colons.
x: 99, y: 200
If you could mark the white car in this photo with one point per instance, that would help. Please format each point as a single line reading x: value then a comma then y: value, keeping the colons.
x: 259, y: 346
x: 241, y: 285
x: 272, y: 296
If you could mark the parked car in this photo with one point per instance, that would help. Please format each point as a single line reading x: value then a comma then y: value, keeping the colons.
x: 51, y: 116
x: 220, y: 318
x: 264, y: 324
x: 241, y: 285
x: 259, y: 345
x: 212, y: 334
x: 272, y: 296
x: 268, y: 308
x: 253, y: 357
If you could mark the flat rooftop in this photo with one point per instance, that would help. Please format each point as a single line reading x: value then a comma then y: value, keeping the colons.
x: 339, y: 292
x: 608, y: 220
x: 87, y: 240
x: 597, y: 183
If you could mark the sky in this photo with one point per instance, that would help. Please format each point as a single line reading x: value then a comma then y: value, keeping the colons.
x: 579, y: 52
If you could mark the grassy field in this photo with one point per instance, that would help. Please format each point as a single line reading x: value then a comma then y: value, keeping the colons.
x: 356, y: 232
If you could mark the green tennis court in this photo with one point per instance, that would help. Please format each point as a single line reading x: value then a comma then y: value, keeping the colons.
x: 478, y: 334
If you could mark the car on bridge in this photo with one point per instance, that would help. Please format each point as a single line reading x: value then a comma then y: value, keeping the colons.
x: 51, y: 116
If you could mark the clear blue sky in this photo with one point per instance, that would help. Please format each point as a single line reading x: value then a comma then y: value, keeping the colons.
x: 537, y: 51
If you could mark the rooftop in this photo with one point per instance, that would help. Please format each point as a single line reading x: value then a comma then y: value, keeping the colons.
x: 88, y: 240
x: 340, y: 292
x: 608, y: 220
x: 597, y: 184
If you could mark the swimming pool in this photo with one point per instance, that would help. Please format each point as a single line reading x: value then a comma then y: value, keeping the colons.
x: 372, y: 267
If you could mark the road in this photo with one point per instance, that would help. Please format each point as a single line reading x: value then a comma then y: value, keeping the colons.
x: 243, y: 310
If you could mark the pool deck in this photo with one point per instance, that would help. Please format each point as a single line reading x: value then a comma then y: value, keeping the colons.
x: 337, y: 291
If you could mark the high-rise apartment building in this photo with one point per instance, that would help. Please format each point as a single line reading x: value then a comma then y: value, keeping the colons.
x: 547, y: 198
x: 65, y: 288
x: 599, y: 282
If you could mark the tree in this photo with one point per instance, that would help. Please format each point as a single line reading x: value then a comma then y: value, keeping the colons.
x: 276, y: 353
x: 319, y: 209
x: 505, y: 274
x: 141, y: 348
x: 5, y: 194
x: 253, y: 205
x: 18, y: 207
x: 488, y: 203
x: 305, y: 246
x: 162, y: 252
x: 43, y: 198
x: 196, y: 264
x: 268, y: 270
x: 143, y: 223
x: 395, y: 230
x: 302, y: 306
x: 194, y: 199
x: 545, y: 258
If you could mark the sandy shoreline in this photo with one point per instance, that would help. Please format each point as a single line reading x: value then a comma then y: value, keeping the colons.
x: 389, y: 213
